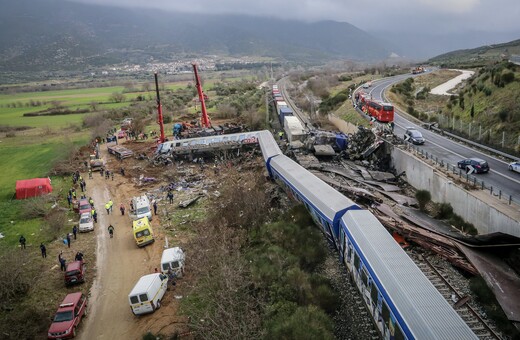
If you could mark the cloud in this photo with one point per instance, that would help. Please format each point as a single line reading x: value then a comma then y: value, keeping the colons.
x: 451, y: 6
x: 372, y: 15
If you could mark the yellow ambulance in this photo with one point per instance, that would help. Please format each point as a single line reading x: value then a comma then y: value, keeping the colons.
x: 143, y: 233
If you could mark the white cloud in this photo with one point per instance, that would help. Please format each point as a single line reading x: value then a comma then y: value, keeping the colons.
x: 451, y: 6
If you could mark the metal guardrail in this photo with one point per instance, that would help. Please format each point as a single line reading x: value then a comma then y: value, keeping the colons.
x: 471, y: 180
x: 478, y: 145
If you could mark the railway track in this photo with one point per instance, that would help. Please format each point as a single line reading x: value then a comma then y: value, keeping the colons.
x: 303, y: 117
x: 458, y: 301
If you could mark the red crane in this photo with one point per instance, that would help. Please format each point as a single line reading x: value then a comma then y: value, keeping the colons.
x: 162, y: 139
x: 204, y: 119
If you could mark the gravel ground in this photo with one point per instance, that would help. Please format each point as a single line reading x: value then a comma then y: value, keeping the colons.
x: 352, y: 320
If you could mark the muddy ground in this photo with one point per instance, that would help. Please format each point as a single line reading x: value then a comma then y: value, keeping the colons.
x: 120, y: 263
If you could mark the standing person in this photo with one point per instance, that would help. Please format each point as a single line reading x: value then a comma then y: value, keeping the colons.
x: 155, y: 207
x: 170, y: 196
x: 101, y: 171
x: 107, y: 207
x: 69, y: 200
x: 111, y: 205
x: 91, y: 201
x: 79, y: 256
x: 122, y: 172
x: 112, y: 174
x: 75, y: 231
x: 44, y: 250
x: 94, y: 215
x: 122, y: 209
x: 68, y: 239
x: 84, y: 184
x: 131, y: 206
x: 22, y: 242
x: 90, y: 173
x: 111, y: 230
x: 62, y: 262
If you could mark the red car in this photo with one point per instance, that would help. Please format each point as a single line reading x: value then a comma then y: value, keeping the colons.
x: 68, y: 317
x: 84, y: 206
x: 75, y: 273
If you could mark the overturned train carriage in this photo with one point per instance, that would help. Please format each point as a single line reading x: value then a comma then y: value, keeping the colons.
x: 402, y: 301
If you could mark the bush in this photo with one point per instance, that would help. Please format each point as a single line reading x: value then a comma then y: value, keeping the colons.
x: 507, y: 77
x: 445, y: 211
x: 423, y: 197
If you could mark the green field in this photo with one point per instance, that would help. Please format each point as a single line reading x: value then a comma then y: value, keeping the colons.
x: 13, y: 106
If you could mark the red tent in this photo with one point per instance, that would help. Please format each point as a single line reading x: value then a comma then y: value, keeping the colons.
x: 32, y: 187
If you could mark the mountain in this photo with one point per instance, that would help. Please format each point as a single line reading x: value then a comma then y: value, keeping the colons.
x: 478, y: 56
x: 62, y: 35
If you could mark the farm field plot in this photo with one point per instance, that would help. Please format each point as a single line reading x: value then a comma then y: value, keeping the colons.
x: 14, y: 106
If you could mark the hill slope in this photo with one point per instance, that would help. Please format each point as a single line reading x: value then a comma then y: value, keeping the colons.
x: 55, y: 35
x: 477, y: 56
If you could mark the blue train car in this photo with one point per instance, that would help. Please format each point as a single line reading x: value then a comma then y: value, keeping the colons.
x: 325, y: 204
x: 269, y: 148
x: 402, y: 301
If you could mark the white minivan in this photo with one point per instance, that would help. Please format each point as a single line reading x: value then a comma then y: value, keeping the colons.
x: 142, y: 208
x: 173, y: 260
x: 147, y: 293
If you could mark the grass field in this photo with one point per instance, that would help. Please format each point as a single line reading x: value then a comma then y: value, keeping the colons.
x: 13, y: 106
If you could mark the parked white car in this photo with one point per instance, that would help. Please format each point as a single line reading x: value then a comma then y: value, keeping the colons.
x: 514, y: 166
x: 86, y: 223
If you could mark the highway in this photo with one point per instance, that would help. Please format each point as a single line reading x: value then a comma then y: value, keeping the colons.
x: 499, y: 177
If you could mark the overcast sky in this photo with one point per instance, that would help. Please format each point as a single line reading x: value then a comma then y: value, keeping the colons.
x: 444, y: 16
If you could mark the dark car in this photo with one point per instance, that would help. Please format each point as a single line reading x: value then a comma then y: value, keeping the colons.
x: 75, y: 273
x: 473, y: 165
x: 69, y: 315
x: 414, y: 136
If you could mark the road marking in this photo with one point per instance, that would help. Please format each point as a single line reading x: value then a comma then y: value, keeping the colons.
x: 383, y: 97
x: 462, y: 157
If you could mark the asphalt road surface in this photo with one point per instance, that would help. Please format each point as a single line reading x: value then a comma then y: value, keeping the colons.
x: 499, y: 177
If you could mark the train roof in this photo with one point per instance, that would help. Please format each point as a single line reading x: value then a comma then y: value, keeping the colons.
x: 315, y: 191
x: 420, y: 305
x: 268, y: 145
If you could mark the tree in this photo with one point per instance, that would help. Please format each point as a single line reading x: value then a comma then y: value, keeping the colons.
x: 117, y: 97
x: 423, y: 197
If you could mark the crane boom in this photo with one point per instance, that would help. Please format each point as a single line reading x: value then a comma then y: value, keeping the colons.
x: 204, y: 119
x: 159, y: 111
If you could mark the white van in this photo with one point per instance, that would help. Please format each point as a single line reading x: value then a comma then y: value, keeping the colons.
x: 147, y: 293
x: 173, y: 259
x: 141, y: 208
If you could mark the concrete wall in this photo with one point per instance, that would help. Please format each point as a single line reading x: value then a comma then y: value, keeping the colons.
x: 486, y: 213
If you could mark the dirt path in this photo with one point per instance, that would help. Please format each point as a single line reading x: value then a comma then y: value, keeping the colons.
x: 443, y: 89
x: 120, y: 263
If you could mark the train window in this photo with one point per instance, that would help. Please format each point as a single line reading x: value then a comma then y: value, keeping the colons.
x: 349, y: 255
x: 386, y: 314
x: 398, y: 333
x: 364, y: 277
x: 374, y: 293
x: 356, y: 261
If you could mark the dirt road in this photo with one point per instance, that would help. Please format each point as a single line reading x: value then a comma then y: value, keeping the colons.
x: 120, y: 263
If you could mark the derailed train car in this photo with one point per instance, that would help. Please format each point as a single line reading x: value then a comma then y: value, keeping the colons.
x: 402, y: 301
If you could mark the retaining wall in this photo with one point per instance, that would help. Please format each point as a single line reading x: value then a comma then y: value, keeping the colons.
x: 487, y: 214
